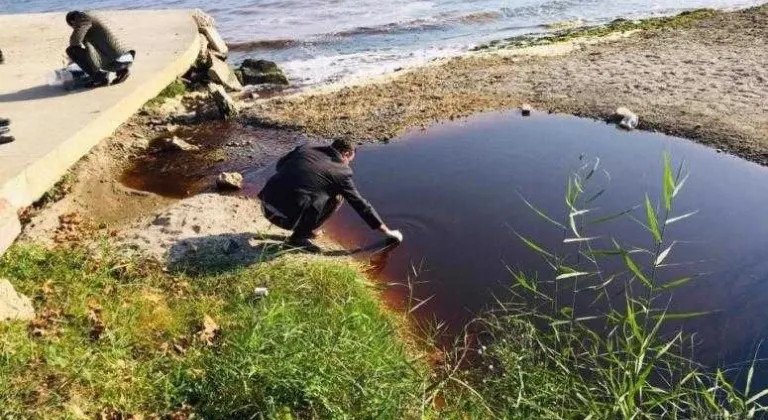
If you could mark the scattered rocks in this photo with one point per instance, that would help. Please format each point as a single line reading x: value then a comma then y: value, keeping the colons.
x: 230, y: 181
x: 174, y: 143
x: 526, y: 110
x: 13, y: 305
x: 259, y: 72
x: 221, y: 73
x: 207, y: 26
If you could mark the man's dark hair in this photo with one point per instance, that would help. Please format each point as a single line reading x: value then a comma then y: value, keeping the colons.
x: 344, y: 145
x: 74, y: 15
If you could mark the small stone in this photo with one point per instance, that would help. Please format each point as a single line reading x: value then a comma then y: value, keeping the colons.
x: 230, y: 181
x: 526, y: 110
x: 629, y: 122
x: 626, y: 119
x: 13, y: 305
x: 260, y: 292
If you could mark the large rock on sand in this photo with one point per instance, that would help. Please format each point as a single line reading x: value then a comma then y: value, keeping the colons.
x: 221, y: 73
x: 260, y: 72
x: 229, y: 181
x: 13, y: 305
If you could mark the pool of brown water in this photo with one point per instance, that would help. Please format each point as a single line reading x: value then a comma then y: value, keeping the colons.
x: 223, y: 147
x: 455, y: 192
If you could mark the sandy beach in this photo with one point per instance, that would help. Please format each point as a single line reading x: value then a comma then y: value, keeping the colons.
x: 706, y: 80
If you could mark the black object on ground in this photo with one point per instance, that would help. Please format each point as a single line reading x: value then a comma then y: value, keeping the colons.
x: 7, y: 139
x: 121, y: 76
x: 257, y: 72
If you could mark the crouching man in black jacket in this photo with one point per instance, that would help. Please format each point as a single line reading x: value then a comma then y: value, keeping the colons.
x: 310, y: 185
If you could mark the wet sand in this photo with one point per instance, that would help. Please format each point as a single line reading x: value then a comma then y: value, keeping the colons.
x: 706, y: 80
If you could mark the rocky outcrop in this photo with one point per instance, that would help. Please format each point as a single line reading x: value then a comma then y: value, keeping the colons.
x: 260, y: 72
x: 226, y: 105
x: 221, y: 73
x: 13, y: 305
x: 207, y: 27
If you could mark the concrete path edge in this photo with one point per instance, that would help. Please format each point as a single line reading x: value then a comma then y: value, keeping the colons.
x: 38, y: 178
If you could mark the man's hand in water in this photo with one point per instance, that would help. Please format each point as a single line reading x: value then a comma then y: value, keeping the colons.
x: 394, y: 235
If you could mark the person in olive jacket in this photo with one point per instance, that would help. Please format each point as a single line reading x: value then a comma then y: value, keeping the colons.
x: 310, y: 185
x: 97, y: 50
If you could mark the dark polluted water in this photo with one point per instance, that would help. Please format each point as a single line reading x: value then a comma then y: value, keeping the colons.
x: 455, y: 191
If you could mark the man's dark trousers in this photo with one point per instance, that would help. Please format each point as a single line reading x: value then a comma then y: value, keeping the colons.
x: 87, y: 60
x: 307, y: 221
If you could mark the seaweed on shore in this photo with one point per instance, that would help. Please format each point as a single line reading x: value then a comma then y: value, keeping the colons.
x: 616, y: 26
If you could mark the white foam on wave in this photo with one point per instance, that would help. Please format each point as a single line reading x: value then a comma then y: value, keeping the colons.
x: 359, y: 66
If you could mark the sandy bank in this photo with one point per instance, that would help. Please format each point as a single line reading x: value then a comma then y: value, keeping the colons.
x: 706, y: 80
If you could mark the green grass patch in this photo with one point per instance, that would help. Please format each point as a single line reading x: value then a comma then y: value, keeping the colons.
x: 586, y: 339
x: 319, y: 346
x: 681, y: 20
x: 176, y: 88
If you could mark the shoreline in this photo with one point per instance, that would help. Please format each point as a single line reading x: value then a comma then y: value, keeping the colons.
x: 586, y: 76
x: 703, y: 79
x: 191, y: 310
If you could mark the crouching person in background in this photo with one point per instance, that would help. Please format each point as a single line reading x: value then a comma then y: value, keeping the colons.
x: 97, y: 50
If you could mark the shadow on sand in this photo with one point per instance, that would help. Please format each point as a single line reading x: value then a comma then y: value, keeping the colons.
x: 217, y: 254
x: 35, y: 93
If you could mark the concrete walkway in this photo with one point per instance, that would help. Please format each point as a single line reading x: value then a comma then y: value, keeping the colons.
x: 55, y: 128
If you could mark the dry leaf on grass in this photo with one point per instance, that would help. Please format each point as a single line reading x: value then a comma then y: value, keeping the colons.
x: 210, y: 331
x: 46, y: 324
x: 96, y: 321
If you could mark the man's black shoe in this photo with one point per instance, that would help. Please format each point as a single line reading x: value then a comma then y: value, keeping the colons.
x: 7, y: 139
x: 120, y: 76
x: 100, y: 80
x: 4, y: 122
x: 304, y: 244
